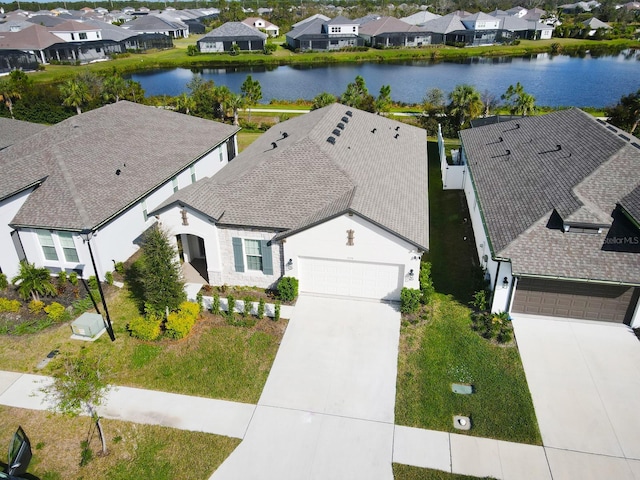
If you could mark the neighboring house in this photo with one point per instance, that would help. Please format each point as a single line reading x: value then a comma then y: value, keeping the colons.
x: 101, y: 171
x: 263, y: 25
x: 320, y: 34
x: 391, y: 32
x: 223, y: 38
x: 420, y: 18
x: 337, y: 198
x: 593, y: 25
x: 447, y: 29
x: 554, y: 201
x: 153, y: 23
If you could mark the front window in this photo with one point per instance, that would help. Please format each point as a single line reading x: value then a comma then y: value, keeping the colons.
x: 82, y: 35
x: 254, y: 254
x: 46, y: 242
x: 68, y: 247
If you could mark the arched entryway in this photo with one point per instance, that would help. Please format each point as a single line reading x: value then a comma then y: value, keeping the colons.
x: 193, y: 257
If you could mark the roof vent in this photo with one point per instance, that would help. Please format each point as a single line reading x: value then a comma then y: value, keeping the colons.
x: 336, y: 132
x: 285, y: 134
x: 345, y: 119
x: 274, y: 145
x: 350, y: 113
x: 374, y: 130
x: 599, y: 120
x: 624, y: 137
x: 331, y: 140
x: 612, y: 128
x: 635, y: 144
x: 118, y: 171
x: 396, y: 135
x: 397, y: 128
x: 341, y: 126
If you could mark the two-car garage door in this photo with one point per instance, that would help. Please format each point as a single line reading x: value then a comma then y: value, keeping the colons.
x: 349, y: 278
x: 588, y: 301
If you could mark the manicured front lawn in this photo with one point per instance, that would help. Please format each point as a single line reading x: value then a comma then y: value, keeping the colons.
x: 135, y: 451
x: 406, y: 472
x: 444, y: 350
x: 216, y: 360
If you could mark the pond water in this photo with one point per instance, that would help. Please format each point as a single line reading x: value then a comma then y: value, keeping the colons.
x: 560, y: 80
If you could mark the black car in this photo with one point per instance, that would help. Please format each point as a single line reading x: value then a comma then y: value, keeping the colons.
x: 19, y: 456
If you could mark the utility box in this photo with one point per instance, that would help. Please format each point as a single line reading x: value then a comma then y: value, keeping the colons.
x: 88, y: 325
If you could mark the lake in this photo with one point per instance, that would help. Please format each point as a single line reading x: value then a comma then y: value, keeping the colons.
x: 554, y: 81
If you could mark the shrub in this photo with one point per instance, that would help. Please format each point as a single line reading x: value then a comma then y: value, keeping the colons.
x: 62, y: 281
x: 426, y: 284
x: 7, y: 305
x: 288, y: 289
x: 215, y: 304
x: 260, y: 312
x: 108, y: 277
x: 269, y: 48
x: 495, y: 326
x: 190, y: 309
x: 82, y: 305
x: 231, y: 307
x: 410, y: 300
x: 248, y: 304
x: 35, y: 306
x: 479, y: 301
x: 179, y: 324
x: 56, y: 312
x: 119, y: 267
x: 93, y: 282
x: 276, y: 313
x: 192, y: 50
x: 200, y: 301
x: 73, y: 278
x: 4, y: 283
x: 145, y: 328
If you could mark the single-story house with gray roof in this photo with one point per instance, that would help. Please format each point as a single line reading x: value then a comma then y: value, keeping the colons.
x: 336, y: 198
x: 554, y: 201
x: 90, y: 174
x: 223, y: 38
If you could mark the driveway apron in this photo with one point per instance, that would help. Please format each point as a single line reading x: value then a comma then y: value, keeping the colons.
x: 327, y: 409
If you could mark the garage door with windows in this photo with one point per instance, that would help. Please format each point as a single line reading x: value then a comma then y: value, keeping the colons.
x: 350, y: 278
x: 588, y: 301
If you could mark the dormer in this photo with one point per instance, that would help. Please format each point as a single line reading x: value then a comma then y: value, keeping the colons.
x: 340, y: 26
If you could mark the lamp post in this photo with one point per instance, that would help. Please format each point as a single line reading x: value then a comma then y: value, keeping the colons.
x: 86, y: 236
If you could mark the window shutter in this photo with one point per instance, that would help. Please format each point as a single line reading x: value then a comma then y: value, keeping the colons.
x: 267, y: 258
x: 237, y: 254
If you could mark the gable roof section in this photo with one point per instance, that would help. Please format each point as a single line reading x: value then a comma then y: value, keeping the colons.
x: 388, y: 25
x: 234, y: 30
x: 304, y: 179
x: 447, y: 24
x: 14, y: 131
x: 147, y: 23
x: 525, y: 171
x: 313, y: 27
x: 78, y: 159
x: 420, y: 17
x: 35, y: 37
x: 631, y: 204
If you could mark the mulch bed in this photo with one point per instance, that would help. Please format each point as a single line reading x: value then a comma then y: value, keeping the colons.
x: 239, y: 293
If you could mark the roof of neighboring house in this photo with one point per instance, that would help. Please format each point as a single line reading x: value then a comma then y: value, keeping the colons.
x: 514, y: 24
x: 388, y: 25
x: 73, y: 26
x: 146, y: 23
x: 46, y: 20
x: 251, y: 21
x: 420, y: 17
x: 313, y: 27
x: 94, y: 165
x: 535, y: 174
x: 340, y: 20
x: 109, y: 31
x: 35, y: 37
x: 449, y: 23
x: 317, y: 16
x: 594, y: 23
x: 14, y: 131
x: 236, y: 30
x: 304, y: 179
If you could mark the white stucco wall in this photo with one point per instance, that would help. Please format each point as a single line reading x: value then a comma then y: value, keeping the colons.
x: 8, y: 255
x: 501, y: 294
x: 371, y: 244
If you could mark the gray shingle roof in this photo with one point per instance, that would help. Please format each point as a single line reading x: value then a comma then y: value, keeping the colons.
x: 567, y: 162
x: 14, y: 131
x: 234, y: 30
x: 631, y: 203
x: 388, y: 25
x: 306, y: 179
x: 77, y: 160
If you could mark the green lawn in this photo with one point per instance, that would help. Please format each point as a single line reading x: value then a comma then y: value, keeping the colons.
x: 135, y: 451
x: 445, y: 350
x: 216, y: 360
x: 405, y: 472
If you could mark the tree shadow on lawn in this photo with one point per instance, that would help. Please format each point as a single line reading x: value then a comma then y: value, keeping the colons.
x: 133, y: 279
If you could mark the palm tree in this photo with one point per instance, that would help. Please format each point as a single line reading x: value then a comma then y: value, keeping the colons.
x: 322, y: 100
x: 519, y: 101
x: 75, y: 94
x: 33, y: 281
x: 235, y: 102
x: 185, y: 103
x: 465, y: 103
x: 8, y: 93
x: 113, y: 87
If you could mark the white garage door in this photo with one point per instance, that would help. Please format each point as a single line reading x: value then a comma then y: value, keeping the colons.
x: 352, y: 279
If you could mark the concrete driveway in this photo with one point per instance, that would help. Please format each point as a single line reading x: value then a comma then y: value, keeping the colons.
x: 584, y: 379
x: 327, y: 408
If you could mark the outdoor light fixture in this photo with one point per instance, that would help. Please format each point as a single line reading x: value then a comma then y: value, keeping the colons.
x: 290, y: 264
x: 505, y: 282
x: 411, y: 274
x: 86, y: 236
